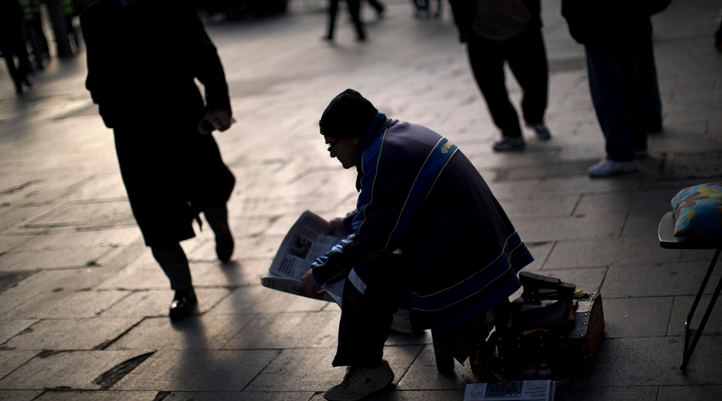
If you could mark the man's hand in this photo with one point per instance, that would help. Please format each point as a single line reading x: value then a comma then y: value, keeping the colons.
x: 336, y: 227
x: 310, y: 286
x: 219, y: 119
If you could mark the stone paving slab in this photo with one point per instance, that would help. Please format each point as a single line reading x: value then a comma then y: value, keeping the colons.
x: 310, y: 369
x: 655, y: 361
x: 690, y: 393
x: 8, y: 242
x: 98, y: 396
x: 680, y: 309
x: 18, y: 395
x: 636, y: 317
x: 586, y: 227
x: 75, y: 334
x: 667, y: 279
x: 11, y: 360
x: 194, y: 370
x: 9, y: 279
x: 426, y: 395
x: 82, y: 239
x: 58, y: 280
x: 630, y: 393
x: 244, y: 396
x: 61, y: 258
x: 66, y: 305
x: 422, y: 374
x: 155, y: 303
x: 557, y: 206
x: 605, y: 252
x: 195, y: 332
x: 288, y: 331
x: 50, y: 370
x: 257, y: 299
x: 646, y: 202
x: 9, y: 328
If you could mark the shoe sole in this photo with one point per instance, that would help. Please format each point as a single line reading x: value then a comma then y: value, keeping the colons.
x: 379, y: 388
x: 621, y: 172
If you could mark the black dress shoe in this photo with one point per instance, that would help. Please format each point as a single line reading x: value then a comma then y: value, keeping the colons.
x: 184, y: 302
x: 224, y: 248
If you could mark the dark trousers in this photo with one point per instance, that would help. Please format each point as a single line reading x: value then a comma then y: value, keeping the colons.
x: 172, y: 259
x: 527, y: 59
x: 354, y: 8
x: 13, y: 47
x: 647, y: 74
x: 617, y: 98
x: 377, y: 6
x: 366, y: 317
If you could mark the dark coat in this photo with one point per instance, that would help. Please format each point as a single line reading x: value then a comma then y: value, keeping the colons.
x: 421, y: 195
x: 608, y: 22
x: 143, y: 59
x: 464, y: 13
x: 11, y: 19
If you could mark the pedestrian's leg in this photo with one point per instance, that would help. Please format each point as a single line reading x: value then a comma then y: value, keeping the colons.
x: 528, y: 61
x: 647, y: 75
x: 354, y: 7
x: 217, y: 218
x: 32, y: 37
x: 377, y: 6
x: 633, y: 96
x: 608, y: 97
x: 332, y: 11
x: 14, y: 73
x: 174, y: 263
x: 487, y: 63
x: 24, y: 66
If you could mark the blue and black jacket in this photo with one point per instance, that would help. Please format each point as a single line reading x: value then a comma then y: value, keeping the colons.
x: 421, y: 195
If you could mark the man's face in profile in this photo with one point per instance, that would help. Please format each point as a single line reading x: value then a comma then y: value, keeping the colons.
x: 342, y: 149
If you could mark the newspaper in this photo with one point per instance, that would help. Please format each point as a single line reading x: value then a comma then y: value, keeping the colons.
x: 305, y: 242
x: 527, y: 390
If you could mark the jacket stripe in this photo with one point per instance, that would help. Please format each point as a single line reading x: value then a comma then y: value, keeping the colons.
x: 501, y: 267
x: 376, y: 175
x: 429, y: 172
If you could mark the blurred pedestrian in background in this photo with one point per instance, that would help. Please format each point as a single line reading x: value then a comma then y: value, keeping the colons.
x: 379, y: 7
x: 622, y: 76
x: 68, y: 14
x: 12, y: 44
x: 499, y: 31
x: 143, y: 59
x: 354, y: 8
x: 31, y: 18
x: 423, y: 7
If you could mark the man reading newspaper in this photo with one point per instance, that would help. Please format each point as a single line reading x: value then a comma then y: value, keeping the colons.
x: 427, y: 234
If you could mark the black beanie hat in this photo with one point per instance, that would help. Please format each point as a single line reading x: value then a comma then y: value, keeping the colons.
x: 349, y: 115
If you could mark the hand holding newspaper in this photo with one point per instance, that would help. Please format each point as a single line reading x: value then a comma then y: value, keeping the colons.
x: 305, y: 242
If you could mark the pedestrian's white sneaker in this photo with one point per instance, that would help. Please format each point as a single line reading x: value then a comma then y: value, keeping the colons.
x: 360, y: 382
x: 610, y: 168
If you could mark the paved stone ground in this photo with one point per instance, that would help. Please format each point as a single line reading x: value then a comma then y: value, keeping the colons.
x: 82, y: 305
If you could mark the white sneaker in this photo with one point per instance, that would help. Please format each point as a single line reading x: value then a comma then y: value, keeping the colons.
x: 609, y: 168
x: 360, y: 382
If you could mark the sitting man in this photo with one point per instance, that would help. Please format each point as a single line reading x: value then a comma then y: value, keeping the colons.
x: 427, y: 235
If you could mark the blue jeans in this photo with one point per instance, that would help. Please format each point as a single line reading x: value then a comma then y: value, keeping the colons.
x: 647, y: 70
x: 617, y: 98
